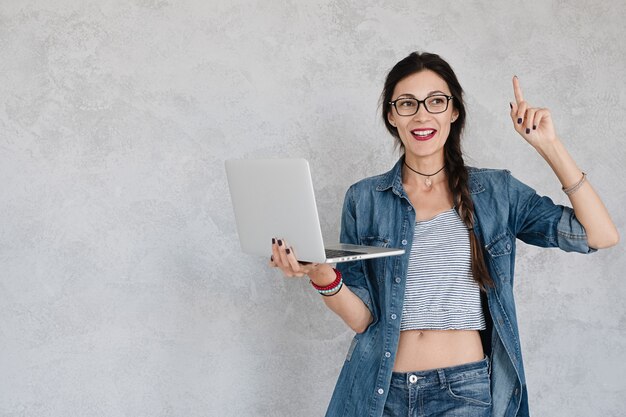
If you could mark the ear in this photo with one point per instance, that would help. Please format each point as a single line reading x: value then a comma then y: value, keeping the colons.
x: 391, y: 119
x: 455, y: 115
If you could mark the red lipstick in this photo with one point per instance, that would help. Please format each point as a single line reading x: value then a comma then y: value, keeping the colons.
x: 423, y: 134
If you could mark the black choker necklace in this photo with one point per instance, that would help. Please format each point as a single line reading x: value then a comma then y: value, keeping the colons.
x: 427, y: 181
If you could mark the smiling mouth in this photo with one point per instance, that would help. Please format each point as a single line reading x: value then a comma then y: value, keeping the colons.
x: 423, y: 134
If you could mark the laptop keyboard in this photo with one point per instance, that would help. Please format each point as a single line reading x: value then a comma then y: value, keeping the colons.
x: 336, y: 253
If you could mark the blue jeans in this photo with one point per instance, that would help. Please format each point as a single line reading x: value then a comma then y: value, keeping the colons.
x: 457, y: 391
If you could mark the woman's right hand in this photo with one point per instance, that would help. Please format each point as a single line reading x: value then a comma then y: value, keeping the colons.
x: 284, y: 258
x: 345, y: 303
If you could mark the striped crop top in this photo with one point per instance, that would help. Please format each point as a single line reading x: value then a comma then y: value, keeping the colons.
x: 440, y: 291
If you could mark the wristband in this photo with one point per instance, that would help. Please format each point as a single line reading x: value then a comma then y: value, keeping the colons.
x: 332, y: 287
x: 334, y: 293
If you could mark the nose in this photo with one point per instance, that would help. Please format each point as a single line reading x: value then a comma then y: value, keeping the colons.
x: 421, y: 112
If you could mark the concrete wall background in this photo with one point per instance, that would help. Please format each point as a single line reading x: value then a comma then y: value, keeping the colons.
x: 122, y: 288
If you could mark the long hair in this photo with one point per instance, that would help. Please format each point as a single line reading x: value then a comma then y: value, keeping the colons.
x: 455, y: 165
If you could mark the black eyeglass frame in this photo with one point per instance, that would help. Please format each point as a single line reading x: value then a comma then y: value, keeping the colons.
x: 448, y: 98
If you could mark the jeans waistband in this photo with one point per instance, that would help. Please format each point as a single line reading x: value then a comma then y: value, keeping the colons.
x: 441, y: 375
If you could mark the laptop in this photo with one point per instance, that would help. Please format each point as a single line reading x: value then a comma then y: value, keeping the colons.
x: 274, y: 198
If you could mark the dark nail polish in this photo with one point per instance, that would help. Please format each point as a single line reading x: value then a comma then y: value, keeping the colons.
x: 519, y: 121
x: 280, y: 242
x: 288, y: 251
x: 511, y: 105
x: 534, y: 127
x: 272, y: 258
x: 527, y: 130
x: 273, y: 241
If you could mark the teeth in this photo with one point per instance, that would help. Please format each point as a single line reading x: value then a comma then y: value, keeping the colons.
x: 423, y: 132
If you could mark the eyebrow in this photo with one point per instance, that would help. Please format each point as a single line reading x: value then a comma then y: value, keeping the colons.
x: 427, y: 95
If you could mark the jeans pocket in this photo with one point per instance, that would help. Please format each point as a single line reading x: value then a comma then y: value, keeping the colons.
x: 475, y: 390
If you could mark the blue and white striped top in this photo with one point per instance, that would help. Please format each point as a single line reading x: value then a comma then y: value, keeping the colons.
x: 440, y: 291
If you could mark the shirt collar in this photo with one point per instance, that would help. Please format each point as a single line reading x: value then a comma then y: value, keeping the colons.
x: 392, y: 179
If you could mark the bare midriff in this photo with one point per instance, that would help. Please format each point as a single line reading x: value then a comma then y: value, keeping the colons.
x: 421, y: 350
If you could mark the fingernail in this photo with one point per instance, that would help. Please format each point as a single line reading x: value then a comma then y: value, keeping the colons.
x: 272, y: 258
x: 515, y: 76
x: 519, y: 122
x: 288, y: 251
x: 280, y: 242
x: 511, y: 105
x: 273, y: 241
x: 534, y: 127
x: 527, y: 130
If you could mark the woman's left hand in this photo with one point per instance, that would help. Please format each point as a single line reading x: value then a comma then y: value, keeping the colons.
x: 533, y: 123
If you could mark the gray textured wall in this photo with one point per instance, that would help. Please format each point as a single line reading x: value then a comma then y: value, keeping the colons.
x: 122, y: 288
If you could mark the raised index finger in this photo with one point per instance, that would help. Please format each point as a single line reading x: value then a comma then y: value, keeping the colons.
x: 517, y: 90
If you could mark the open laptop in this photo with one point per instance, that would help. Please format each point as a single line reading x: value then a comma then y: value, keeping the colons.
x: 274, y: 198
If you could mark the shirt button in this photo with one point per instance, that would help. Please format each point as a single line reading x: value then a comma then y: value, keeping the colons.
x: 516, y: 391
x: 398, y: 280
x: 393, y: 317
x: 404, y: 242
x: 381, y: 391
x: 412, y: 379
x: 387, y: 355
x: 409, y: 208
x: 508, y: 246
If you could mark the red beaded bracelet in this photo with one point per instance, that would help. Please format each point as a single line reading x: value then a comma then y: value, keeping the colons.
x: 331, y: 285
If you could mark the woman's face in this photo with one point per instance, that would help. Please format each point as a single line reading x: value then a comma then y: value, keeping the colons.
x: 424, y: 134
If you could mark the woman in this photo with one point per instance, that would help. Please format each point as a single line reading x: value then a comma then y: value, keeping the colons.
x: 436, y: 330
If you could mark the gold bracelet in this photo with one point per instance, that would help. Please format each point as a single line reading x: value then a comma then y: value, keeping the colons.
x: 571, y: 190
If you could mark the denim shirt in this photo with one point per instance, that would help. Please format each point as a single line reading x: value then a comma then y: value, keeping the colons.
x: 378, y: 212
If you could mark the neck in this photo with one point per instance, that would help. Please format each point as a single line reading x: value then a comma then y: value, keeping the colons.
x: 425, y: 165
x: 423, y: 179
x: 424, y: 174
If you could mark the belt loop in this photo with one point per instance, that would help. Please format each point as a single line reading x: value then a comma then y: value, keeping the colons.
x: 442, y: 378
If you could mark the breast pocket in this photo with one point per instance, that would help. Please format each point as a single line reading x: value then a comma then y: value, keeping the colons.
x: 499, y: 250
x: 375, y: 268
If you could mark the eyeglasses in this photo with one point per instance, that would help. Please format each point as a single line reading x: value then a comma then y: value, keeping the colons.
x: 437, y: 103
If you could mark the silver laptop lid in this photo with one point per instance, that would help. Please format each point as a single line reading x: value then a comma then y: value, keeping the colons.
x: 275, y: 198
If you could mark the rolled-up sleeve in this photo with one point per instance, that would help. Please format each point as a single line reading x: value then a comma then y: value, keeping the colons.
x: 571, y: 234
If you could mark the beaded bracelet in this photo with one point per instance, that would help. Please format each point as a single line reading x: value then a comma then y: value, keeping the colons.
x: 572, y: 189
x: 334, y: 286
x: 334, y: 293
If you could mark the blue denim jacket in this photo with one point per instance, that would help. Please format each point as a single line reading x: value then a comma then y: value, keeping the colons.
x: 378, y: 212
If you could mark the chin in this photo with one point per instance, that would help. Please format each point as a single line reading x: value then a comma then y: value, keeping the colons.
x: 423, y: 149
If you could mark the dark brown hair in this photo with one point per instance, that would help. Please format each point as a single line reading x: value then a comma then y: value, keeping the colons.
x: 455, y: 166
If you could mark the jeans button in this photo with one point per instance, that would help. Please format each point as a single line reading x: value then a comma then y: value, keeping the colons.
x: 412, y: 379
